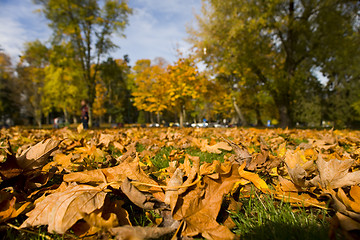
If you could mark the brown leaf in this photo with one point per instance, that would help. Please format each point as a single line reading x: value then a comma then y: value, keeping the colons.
x: 254, y: 178
x: 335, y: 173
x: 94, y: 219
x: 216, y: 147
x: 200, y: 206
x: 37, y: 155
x: 298, y: 167
x: 106, y: 139
x: 10, y: 167
x: 175, y: 180
x: 147, y: 202
x: 8, y: 209
x: 128, y: 168
x: 138, y: 233
x: 60, y: 211
x: 241, y: 153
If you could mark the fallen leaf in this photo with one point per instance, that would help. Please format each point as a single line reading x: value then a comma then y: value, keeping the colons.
x: 37, y: 155
x: 106, y: 139
x: 9, y: 210
x: 138, y: 233
x: 199, y: 206
x: 60, y: 211
x: 128, y: 168
x: 175, y: 180
x: 94, y: 219
x: 254, y: 178
x: 241, y: 153
x: 335, y: 173
x: 298, y: 167
x: 147, y: 202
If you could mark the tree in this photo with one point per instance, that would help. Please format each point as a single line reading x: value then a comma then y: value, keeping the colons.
x: 114, y: 74
x: 31, y: 75
x: 88, y: 26
x: 184, y: 85
x: 273, y: 42
x: 63, y: 83
x: 9, y: 100
x: 151, y: 85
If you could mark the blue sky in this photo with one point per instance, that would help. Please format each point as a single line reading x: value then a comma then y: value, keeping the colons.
x: 156, y: 29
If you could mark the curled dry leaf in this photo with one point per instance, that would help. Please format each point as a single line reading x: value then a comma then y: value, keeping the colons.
x: 9, y: 210
x: 138, y: 233
x: 335, y: 173
x: 128, y: 168
x: 175, y: 180
x: 199, y: 206
x: 216, y: 147
x: 60, y: 211
x: 106, y: 139
x: 298, y: 167
x: 241, y: 153
x: 37, y: 155
x: 147, y: 202
x: 95, y: 219
x: 254, y: 178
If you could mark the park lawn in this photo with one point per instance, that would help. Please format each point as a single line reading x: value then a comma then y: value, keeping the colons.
x: 260, y: 183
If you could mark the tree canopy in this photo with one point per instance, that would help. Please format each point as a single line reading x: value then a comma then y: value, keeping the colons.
x: 278, y: 44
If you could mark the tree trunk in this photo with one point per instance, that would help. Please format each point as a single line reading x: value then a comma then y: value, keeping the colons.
x: 38, y: 114
x: 158, y: 117
x: 239, y: 113
x: 181, y: 118
x: 259, y: 123
x: 90, y: 116
x: 66, y: 115
x: 284, y: 116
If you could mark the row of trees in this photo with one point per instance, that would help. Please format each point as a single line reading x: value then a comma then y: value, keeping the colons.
x: 263, y: 60
x: 278, y: 47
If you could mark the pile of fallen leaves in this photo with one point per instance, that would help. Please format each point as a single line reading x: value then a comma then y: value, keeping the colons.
x: 90, y: 183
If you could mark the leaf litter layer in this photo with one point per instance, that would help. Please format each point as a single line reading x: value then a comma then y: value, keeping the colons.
x: 179, y: 183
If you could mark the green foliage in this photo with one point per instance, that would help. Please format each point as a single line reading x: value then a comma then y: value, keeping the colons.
x: 114, y: 75
x: 87, y: 25
x: 63, y: 89
x: 9, y: 91
x: 276, y: 45
x: 31, y: 71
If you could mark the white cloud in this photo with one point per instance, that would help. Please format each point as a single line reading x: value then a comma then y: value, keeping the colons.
x: 157, y: 29
x: 19, y: 25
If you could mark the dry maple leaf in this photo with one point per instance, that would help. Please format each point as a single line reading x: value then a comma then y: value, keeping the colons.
x: 254, y: 178
x: 137, y: 233
x: 147, y: 202
x: 335, y: 173
x: 298, y: 167
x: 106, y: 139
x: 128, y: 168
x: 345, y: 218
x: 8, y: 209
x: 216, y: 147
x: 61, y: 210
x: 199, y: 207
x: 37, y: 155
x: 241, y: 153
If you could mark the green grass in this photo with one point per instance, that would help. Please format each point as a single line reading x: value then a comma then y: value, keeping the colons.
x: 161, y: 159
x: 263, y: 217
x: 205, y: 156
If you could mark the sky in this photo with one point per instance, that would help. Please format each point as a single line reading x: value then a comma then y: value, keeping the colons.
x: 157, y: 28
